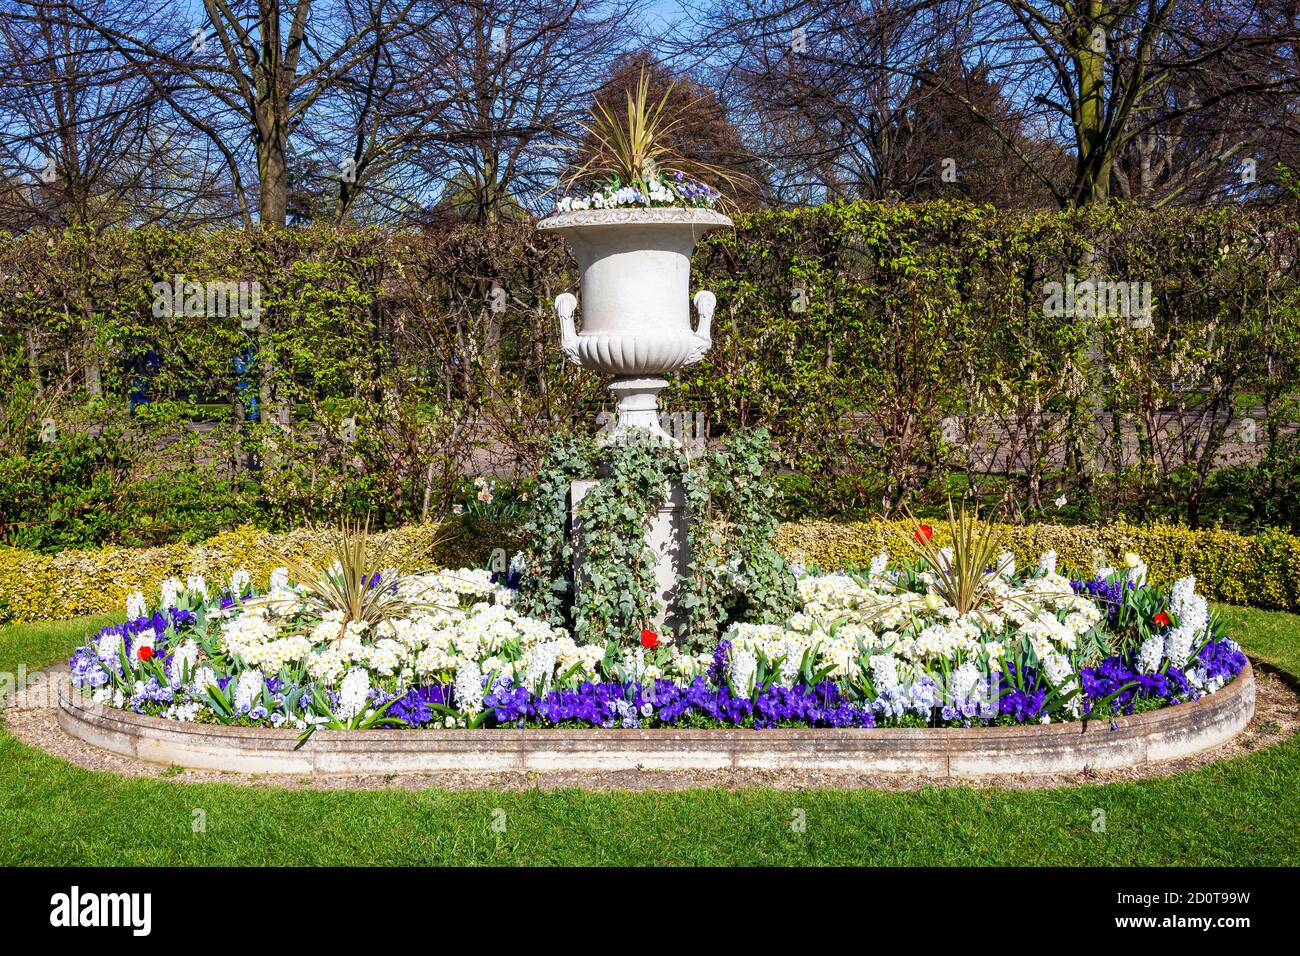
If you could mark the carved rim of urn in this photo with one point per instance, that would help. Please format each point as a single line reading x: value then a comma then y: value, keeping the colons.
x: 635, y: 215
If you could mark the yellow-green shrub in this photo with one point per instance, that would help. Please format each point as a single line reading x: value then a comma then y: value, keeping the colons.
x: 1262, y: 571
x: 39, y: 586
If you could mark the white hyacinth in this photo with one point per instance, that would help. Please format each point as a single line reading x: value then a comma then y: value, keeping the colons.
x: 135, y: 606
x: 204, y: 678
x: 184, y: 661
x: 109, y: 650
x: 197, y: 585
x: 879, y: 563
x: 540, y: 666
x: 468, y: 686
x: 1178, y: 645
x: 352, y: 694
x: 248, y: 689
x: 1060, y: 674
x: 239, y: 582
x: 279, y: 579
x: 1193, y: 614
x: 1150, y: 654
x: 170, y: 592
x: 1047, y: 563
x: 884, y: 672
x: 633, y: 664
x: 964, y: 681
x: 741, y: 670
x: 1056, y: 668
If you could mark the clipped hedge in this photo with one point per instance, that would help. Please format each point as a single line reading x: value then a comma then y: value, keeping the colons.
x: 906, y: 348
x: 1261, y: 571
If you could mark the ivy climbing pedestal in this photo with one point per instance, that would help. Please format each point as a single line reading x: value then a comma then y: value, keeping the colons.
x: 667, y: 538
x: 634, y: 303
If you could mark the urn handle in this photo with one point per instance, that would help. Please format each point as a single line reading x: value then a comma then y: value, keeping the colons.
x: 565, y: 304
x: 705, y: 303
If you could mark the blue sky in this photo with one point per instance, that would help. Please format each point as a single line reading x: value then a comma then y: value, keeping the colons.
x: 667, y: 12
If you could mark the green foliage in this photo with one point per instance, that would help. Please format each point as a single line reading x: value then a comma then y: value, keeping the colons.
x: 111, y: 483
x: 547, y: 588
x: 734, y: 541
x: 897, y: 353
x: 734, y: 569
x: 615, y: 591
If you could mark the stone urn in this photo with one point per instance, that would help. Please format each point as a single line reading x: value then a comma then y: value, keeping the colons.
x: 634, y: 302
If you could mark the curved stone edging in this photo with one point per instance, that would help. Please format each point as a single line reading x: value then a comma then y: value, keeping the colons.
x: 1166, y: 734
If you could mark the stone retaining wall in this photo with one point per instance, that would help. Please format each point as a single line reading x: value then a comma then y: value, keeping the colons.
x: 1166, y: 734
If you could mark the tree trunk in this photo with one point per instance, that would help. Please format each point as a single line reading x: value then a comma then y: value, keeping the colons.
x: 273, y: 174
x: 94, y: 377
x: 1092, y: 169
x: 272, y: 119
x: 34, y: 361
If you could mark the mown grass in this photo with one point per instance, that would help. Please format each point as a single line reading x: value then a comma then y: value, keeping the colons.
x: 1244, y: 811
x: 1268, y: 635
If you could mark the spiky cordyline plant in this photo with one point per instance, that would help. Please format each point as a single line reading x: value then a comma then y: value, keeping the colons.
x: 963, y: 581
x: 634, y: 148
x: 358, y: 575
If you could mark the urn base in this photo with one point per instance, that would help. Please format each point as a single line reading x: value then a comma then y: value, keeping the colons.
x: 638, y: 410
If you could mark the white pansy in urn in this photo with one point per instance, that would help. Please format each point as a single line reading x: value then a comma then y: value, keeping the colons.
x: 634, y: 300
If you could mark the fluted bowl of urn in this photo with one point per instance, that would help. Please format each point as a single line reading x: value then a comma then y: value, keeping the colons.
x: 634, y: 301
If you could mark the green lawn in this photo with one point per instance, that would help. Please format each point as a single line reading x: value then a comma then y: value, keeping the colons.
x: 1245, y: 811
x: 1267, y: 635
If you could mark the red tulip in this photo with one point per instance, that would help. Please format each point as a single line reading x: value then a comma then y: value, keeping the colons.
x: 1162, y: 619
x: 924, y: 533
x: 145, y: 653
x: 649, y: 639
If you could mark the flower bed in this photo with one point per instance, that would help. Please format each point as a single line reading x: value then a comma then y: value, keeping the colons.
x: 882, y: 647
x: 661, y: 190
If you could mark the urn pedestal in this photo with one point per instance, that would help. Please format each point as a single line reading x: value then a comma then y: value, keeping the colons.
x: 667, y: 538
x: 634, y: 303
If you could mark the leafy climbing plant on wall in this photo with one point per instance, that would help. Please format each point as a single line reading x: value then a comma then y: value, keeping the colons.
x: 733, y: 567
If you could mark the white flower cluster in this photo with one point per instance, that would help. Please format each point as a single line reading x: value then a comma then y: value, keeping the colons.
x: 135, y: 606
x: 659, y: 191
x: 848, y: 622
x: 1060, y: 674
x: 1192, y: 613
x: 352, y: 694
x: 469, y: 685
x: 169, y: 592
x: 428, y: 646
